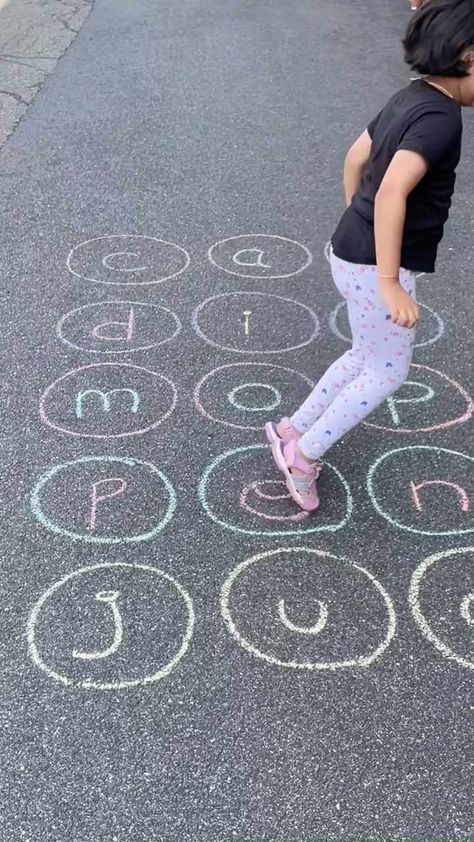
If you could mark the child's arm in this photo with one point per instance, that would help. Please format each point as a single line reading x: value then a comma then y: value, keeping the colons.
x: 354, y: 165
x: 405, y: 171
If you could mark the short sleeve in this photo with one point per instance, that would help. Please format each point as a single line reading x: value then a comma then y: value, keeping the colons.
x: 433, y: 135
x: 372, y: 126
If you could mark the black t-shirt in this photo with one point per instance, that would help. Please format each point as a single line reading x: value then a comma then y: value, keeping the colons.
x: 424, y: 120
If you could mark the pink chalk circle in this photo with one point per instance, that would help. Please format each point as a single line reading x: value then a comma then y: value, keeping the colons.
x: 131, y: 401
x: 117, y: 327
x: 239, y: 377
x: 459, y: 419
x: 127, y: 260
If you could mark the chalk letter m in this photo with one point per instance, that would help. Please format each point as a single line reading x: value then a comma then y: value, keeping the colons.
x: 104, y: 397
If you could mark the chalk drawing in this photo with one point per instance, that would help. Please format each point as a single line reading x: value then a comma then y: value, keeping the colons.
x: 104, y: 398
x: 392, y: 403
x: 118, y: 327
x: 284, y: 257
x: 148, y: 480
x: 97, y: 497
x: 67, y: 392
x: 324, y: 654
x: 239, y: 370
x: 108, y: 598
x: 153, y: 260
x: 327, y: 251
x: 256, y: 488
x: 228, y: 462
x: 466, y: 610
x: 429, y: 395
x: 166, y: 595
x: 258, y: 262
x: 247, y: 314
x: 461, y: 493
x: 440, y: 615
x: 318, y: 626
x: 276, y: 310
x: 267, y: 407
x: 407, y: 489
x: 439, y: 331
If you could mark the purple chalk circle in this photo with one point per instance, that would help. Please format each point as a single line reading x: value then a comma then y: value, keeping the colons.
x: 247, y: 395
x: 127, y: 260
x: 108, y: 401
x: 118, y: 327
x: 256, y: 323
x: 260, y: 256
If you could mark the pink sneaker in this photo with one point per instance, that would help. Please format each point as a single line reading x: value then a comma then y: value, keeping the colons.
x: 273, y: 436
x: 302, y: 487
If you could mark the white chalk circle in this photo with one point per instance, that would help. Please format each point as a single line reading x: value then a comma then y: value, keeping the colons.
x: 132, y: 634
x: 424, y: 489
x: 225, y: 487
x: 260, y: 256
x: 104, y: 500
x: 436, y: 333
x: 118, y: 327
x: 255, y: 323
x: 306, y: 609
x: 440, y: 597
x: 127, y: 260
x: 257, y: 381
x: 108, y: 401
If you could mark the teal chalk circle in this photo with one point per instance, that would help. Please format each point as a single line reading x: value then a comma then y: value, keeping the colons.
x: 267, y: 407
x: 163, y: 483
x: 228, y: 459
x: 426, y: 450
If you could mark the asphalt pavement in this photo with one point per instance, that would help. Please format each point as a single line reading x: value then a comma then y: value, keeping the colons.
x: 186, y: 657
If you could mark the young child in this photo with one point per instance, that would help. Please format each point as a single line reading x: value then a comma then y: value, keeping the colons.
x: 398, y: 179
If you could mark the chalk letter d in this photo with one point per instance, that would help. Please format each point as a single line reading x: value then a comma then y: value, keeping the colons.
x: 125, y: 334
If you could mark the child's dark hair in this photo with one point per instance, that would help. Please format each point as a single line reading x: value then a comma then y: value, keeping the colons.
x: 437, y: 36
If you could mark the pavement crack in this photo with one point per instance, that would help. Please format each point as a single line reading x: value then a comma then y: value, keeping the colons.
x: 15, y: 96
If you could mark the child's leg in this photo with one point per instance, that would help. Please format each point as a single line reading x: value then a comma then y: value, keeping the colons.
x: 387, y: 350
x: 347, y: 367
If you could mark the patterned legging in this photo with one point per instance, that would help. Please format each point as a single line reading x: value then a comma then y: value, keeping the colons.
x: 374, y: 368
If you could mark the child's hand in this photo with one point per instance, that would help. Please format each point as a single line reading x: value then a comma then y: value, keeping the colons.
x: 402, y: 307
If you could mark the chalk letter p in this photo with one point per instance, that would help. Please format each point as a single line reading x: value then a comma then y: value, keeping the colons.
x: 98, y: 496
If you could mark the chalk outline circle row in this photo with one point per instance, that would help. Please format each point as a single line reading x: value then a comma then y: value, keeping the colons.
x: 445, y: 424
x: 52, y: 386
x: 66, y: 316
x: 431, y: 341
x: 309, y: 256
x: 202, y: 335
x: 362, y: 661
x: 40, y: 517
x: 414, y: 600
x: 393, y: 521
x: 120, y: 685
x: 271, y: 533
x: 210, y: 374
x: 187, y: 260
